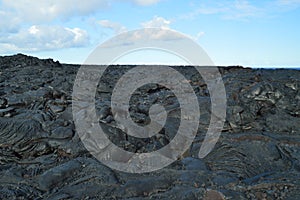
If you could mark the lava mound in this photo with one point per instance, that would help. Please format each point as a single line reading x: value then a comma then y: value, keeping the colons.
x: 42, y: 156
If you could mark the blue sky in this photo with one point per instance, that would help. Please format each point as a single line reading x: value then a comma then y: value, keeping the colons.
x: 238, y: 32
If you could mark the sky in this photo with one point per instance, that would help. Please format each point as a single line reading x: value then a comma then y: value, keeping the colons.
x: 237, y: 32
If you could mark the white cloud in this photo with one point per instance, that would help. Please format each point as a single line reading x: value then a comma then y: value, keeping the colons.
x: 13, y: 13
x: 157, y: 22
x: 242, y: 9
x: 199, y: 35
x: 155, y: 29
x: 37, y: 38
x: 234, y: 10
x: 116, y: 27
x: 33, y: 30
x: 17, y: 16
x: 288, y: 2
x: 146, y: 2
x: 142, y: 36
x: 6, y: 48
x: 41, y: 10
x: 9, y: 22
x: 161, y: 33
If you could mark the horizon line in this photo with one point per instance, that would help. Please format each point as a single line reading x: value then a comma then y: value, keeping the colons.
x: 255, y: 66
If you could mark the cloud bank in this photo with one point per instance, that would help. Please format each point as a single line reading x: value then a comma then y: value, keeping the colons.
x: 31, y: 25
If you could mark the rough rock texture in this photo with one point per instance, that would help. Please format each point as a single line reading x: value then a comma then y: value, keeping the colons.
x: 42, y: 157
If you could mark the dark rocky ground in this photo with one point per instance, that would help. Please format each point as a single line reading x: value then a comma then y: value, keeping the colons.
x: 42, y: 157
